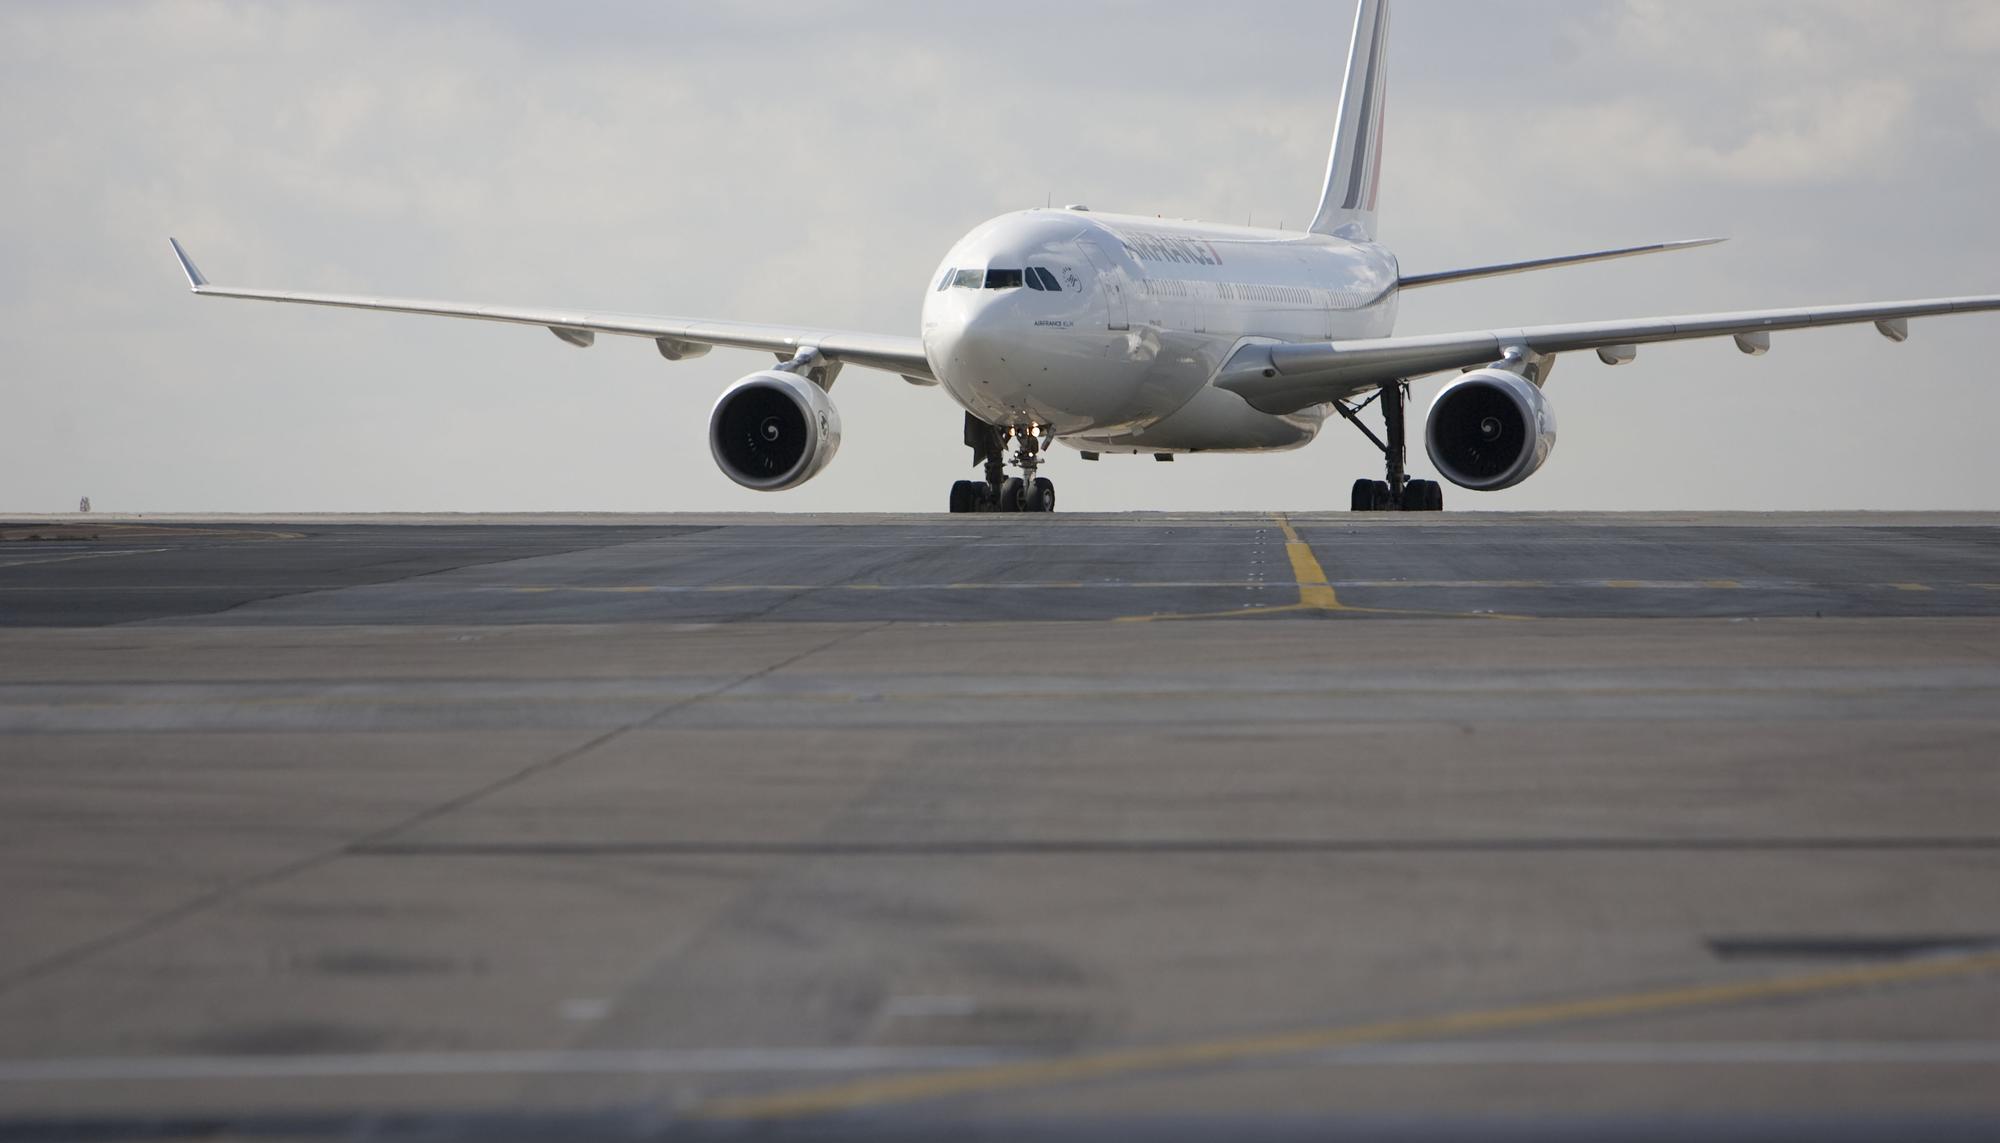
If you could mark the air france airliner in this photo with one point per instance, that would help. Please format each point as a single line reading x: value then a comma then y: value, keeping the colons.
x: 1135, y: 335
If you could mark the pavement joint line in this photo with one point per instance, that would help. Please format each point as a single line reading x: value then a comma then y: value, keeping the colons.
x: 769, y: 1061
x: 673, y: 706
x: 160, y: 531
x: 640, y: 1061
x: 1128, y: 1063
x: 1069, y: 694
x: 74, y: 954
x: 80, y: 556
x: 1069, y: 848
x: 1051, y: 585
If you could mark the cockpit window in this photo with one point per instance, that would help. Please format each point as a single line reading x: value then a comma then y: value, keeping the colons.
x: 1034, y: 277
x: 946, y: 280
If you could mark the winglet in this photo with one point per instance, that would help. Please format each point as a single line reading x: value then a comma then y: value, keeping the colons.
x: 195, y: 280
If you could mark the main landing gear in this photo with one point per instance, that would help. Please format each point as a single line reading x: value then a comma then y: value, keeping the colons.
x: 1000, y: 492
x: 1398, y: 493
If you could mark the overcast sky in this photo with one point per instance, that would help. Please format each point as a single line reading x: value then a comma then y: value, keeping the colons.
x: 810, y: 163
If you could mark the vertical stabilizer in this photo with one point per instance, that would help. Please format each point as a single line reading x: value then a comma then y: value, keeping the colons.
x: 1354, y: 171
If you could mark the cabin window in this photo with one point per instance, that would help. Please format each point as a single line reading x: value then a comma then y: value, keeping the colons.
x: 1003, y: 279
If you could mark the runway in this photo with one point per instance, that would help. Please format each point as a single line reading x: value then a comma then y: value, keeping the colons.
x: 665, y: 826
x: 998, y: 569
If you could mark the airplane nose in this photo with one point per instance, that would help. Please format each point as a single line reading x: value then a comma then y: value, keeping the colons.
x: 976, y: 341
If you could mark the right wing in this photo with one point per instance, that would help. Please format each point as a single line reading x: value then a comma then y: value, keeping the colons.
x: 677, y: 337
x: 1285, y: 378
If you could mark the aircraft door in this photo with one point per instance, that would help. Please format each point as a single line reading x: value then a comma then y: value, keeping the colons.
x: 1111, y: 284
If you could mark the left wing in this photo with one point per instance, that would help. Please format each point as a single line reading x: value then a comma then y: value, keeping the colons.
x: 1285, y: 378
x: 677, y: 337
x: 1438, y: 278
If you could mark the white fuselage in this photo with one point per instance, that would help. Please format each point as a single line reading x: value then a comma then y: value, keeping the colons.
x: 1120, y: 356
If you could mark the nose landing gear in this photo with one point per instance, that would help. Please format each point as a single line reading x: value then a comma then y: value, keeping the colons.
x: 1398, y: 493
x: 999, y: 492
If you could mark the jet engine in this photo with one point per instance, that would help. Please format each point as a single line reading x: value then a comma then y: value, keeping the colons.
x: 773, y: 430
x: 1489, y: 430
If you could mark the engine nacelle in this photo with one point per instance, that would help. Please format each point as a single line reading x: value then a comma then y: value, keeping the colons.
x: 773, y: 430
x: 1489, y: 430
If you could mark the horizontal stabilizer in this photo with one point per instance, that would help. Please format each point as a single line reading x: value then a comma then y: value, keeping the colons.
x: 1413, y: 280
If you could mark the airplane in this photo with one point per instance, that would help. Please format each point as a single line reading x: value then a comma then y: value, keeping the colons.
x: 1136, y: 335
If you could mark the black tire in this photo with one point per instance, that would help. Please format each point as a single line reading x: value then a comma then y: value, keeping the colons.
x: 1013, y: 495
x: 1433, y: 496
x: 1042, y: 495
x: 964, y: 497
x: 1364, y: 496
x: 1384, y: 500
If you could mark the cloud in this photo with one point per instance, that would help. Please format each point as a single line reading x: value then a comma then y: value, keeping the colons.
x: 690, y: 159
x: 1790, y: 138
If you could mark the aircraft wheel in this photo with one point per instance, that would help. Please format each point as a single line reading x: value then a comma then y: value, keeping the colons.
x: 1042, y: 495
x: 1423, y: 496
x: 1364, y: 496
x: 1013, y: 495
x: 1382, y: 500
x: 964, y: 497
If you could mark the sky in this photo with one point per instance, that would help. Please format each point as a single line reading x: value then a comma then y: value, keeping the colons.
x: 810, y: 162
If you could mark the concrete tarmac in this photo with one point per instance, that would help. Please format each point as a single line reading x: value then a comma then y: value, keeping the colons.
x: 678, y: 826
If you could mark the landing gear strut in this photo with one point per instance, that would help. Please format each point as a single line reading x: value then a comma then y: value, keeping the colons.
x: 1397, y: 493
x: 999, y: 492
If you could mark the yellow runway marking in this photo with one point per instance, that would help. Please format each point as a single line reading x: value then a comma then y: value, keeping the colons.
x: 1133, y: 1062
x: 1316, y: 594
x: 1314, y: 591
x: 1911, y: 586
